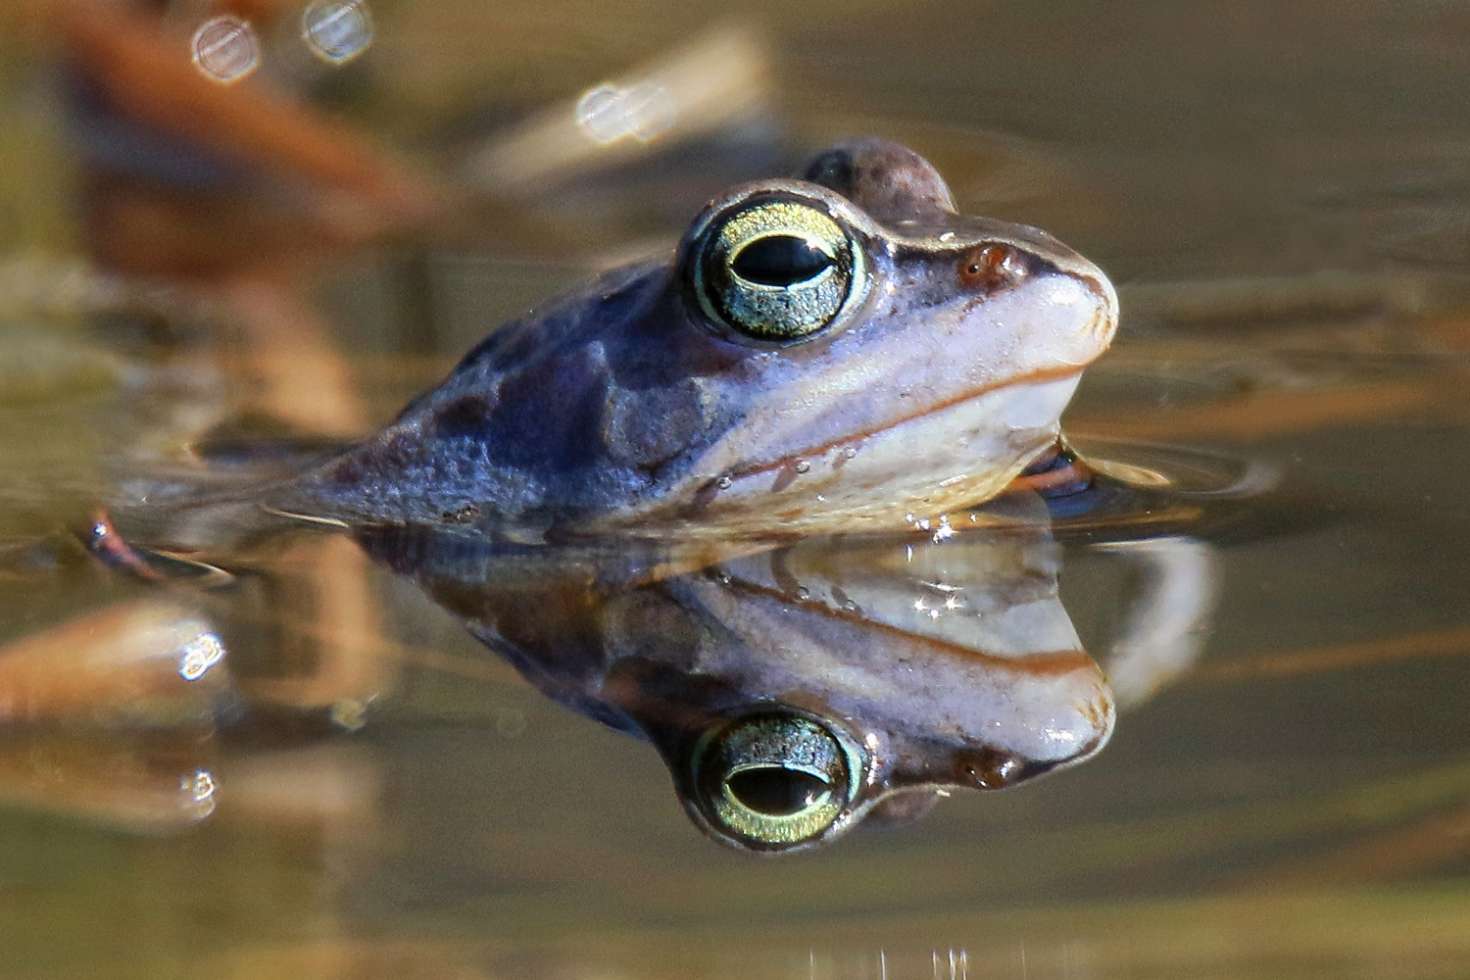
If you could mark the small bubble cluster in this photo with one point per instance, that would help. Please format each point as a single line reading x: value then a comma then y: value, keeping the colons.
x: 608, y: 113
x: 226, y: 49
x: 201, y: 786
x: 940, y: 527
x: 199, y: 791
x: 200, y: 654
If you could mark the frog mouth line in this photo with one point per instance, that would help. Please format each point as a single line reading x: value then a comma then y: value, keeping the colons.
x: 791, y: 460
x: 1039, y: 663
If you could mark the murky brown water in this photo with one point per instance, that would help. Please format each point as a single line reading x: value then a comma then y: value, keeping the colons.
x: 359, y: 789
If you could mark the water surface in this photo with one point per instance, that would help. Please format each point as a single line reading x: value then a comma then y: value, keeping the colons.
x: 1282, y: 198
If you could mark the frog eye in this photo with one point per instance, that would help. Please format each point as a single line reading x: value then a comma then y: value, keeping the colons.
x: 776, y: 269
x: 774, y: 781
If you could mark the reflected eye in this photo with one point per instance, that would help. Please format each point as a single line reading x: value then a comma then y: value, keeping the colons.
x: 776, y: 269
x: 773, y: 781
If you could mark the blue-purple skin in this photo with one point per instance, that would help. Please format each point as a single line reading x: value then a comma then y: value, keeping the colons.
x: 625, y: 407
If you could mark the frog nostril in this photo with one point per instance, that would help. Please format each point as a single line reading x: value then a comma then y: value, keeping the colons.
x: 1100, y: 287
x: 990, y: 266
x: 1105, y: 321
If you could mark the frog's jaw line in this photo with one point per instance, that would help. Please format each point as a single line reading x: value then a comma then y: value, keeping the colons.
x: 981, y: 442
x: 850, y: 441
x: 884, y: 480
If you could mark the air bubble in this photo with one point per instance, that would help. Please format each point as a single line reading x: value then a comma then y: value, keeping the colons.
x: 198, y: 790
x: 724, y: 483
x: 337, y: 31
x: 201, y: 653
x: 649, y: 110
x: 600, y: 114
x: 226, y: 49
x: 802, y: 466
x: 201, y: 786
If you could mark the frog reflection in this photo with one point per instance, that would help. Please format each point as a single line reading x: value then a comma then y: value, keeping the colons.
x: 794, y: 692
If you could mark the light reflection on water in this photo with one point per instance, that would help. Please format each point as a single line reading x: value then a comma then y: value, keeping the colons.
x: 1297, y: 795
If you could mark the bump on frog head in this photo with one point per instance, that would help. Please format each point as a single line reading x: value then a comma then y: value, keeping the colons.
x: 887, y: 180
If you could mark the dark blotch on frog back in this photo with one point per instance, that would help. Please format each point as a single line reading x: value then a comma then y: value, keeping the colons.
x: 466, y: 417
x: 558, y: 400
x: 547, y: 419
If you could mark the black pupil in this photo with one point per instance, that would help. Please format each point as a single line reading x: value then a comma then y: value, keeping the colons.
x: 776, y: 792
x: 779, y: 260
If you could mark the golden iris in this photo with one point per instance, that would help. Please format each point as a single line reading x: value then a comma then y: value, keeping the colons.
x: 774, y: 780
x: 777, y: 269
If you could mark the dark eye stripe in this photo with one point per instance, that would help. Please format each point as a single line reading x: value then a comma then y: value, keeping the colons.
x: 779, y: 260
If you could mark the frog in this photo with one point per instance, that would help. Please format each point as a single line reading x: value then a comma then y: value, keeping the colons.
x: 797, y: 693
x: 834, y: 351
